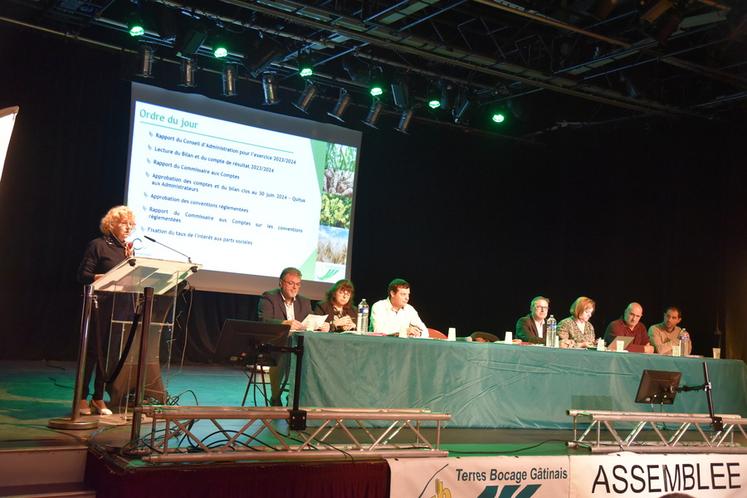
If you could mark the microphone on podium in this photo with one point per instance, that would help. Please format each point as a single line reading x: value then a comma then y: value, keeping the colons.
x: 168, y: 247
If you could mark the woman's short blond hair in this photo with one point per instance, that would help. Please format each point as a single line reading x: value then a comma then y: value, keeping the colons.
x: 115, y: 215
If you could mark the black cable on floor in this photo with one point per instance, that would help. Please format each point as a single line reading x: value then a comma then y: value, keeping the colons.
x: 519, y: 450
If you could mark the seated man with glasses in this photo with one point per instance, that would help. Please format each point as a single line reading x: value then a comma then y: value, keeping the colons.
x: 285, y: 305
x: 532, y: 328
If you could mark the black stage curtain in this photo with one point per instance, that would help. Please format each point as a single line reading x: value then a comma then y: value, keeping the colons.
x: 65, y: 163
x: 209, y: 311
x: 478, y: 224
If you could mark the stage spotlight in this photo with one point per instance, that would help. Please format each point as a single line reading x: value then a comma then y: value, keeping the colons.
x: 376, y: 87
x: 190, y: 42
x: 305, y: 66
x: 270, y: 88
x: 135, y: 25
x: 145, y: 61
x: 220, y: 49
x: 498, y: 117
x: 400, y: 94
x: 374, y: 113
x: 404, y: 121
x: 304, y: 100
x: 187, y: 73
x: 343, y: 101
x: 229, y: 80
x: 433, y: 97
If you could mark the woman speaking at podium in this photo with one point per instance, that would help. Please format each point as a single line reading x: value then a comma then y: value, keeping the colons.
x: 102, y: 254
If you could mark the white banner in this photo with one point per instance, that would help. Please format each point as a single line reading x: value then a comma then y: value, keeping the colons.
x: 653, y: 476
x: 481, y: 477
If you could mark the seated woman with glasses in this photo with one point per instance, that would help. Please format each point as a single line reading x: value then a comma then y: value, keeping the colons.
x: 338, y: 306
x: 576, y: 331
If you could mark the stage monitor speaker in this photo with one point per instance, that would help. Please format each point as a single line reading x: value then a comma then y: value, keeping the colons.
x: 240, y: 340
x: 658, y: 387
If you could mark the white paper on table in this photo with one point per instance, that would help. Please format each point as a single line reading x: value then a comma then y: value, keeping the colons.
x: 313, y: 322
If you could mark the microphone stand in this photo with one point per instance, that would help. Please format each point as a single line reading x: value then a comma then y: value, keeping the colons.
x: 189, y: 260
x: 716, y: 422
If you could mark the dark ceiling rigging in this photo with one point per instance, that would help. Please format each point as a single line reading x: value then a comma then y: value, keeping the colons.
x: 546, y: 64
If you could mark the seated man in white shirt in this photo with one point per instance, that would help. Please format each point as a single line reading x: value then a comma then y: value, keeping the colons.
x: 395, y: 316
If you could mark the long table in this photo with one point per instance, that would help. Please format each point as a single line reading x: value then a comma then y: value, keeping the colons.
x: 485, y: 385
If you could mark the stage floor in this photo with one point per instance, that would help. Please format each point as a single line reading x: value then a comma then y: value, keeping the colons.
x: 32, y: 393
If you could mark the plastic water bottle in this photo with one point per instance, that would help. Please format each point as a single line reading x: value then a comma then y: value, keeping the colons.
x: 684, y: 338
x: 552, y: 331
x: 362, y: 322
x: 365, y: 315
x: 359, y: 319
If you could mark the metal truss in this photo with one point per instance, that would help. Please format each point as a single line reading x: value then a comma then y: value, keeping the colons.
x: 254, y: 433
x: 669, y: 429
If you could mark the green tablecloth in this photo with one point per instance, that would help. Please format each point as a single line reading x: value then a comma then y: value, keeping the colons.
x: 497, y: 385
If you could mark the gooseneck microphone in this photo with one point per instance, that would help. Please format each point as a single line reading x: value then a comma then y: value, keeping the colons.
x: 168, y: 247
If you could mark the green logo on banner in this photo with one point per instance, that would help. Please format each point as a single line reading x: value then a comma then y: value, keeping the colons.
x: 510, y: 491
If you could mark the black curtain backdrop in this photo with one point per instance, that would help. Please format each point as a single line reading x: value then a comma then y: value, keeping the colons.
x: 478, y: 224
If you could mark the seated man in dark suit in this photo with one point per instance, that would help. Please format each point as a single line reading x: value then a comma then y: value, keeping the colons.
x: 532, y: 328
x: 285, y: 305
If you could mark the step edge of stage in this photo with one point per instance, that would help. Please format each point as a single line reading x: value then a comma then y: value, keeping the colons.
x: 60, y: 489
x: 40, y: 445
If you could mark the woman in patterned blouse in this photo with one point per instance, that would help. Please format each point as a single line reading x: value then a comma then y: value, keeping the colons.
x: 576, y: 331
